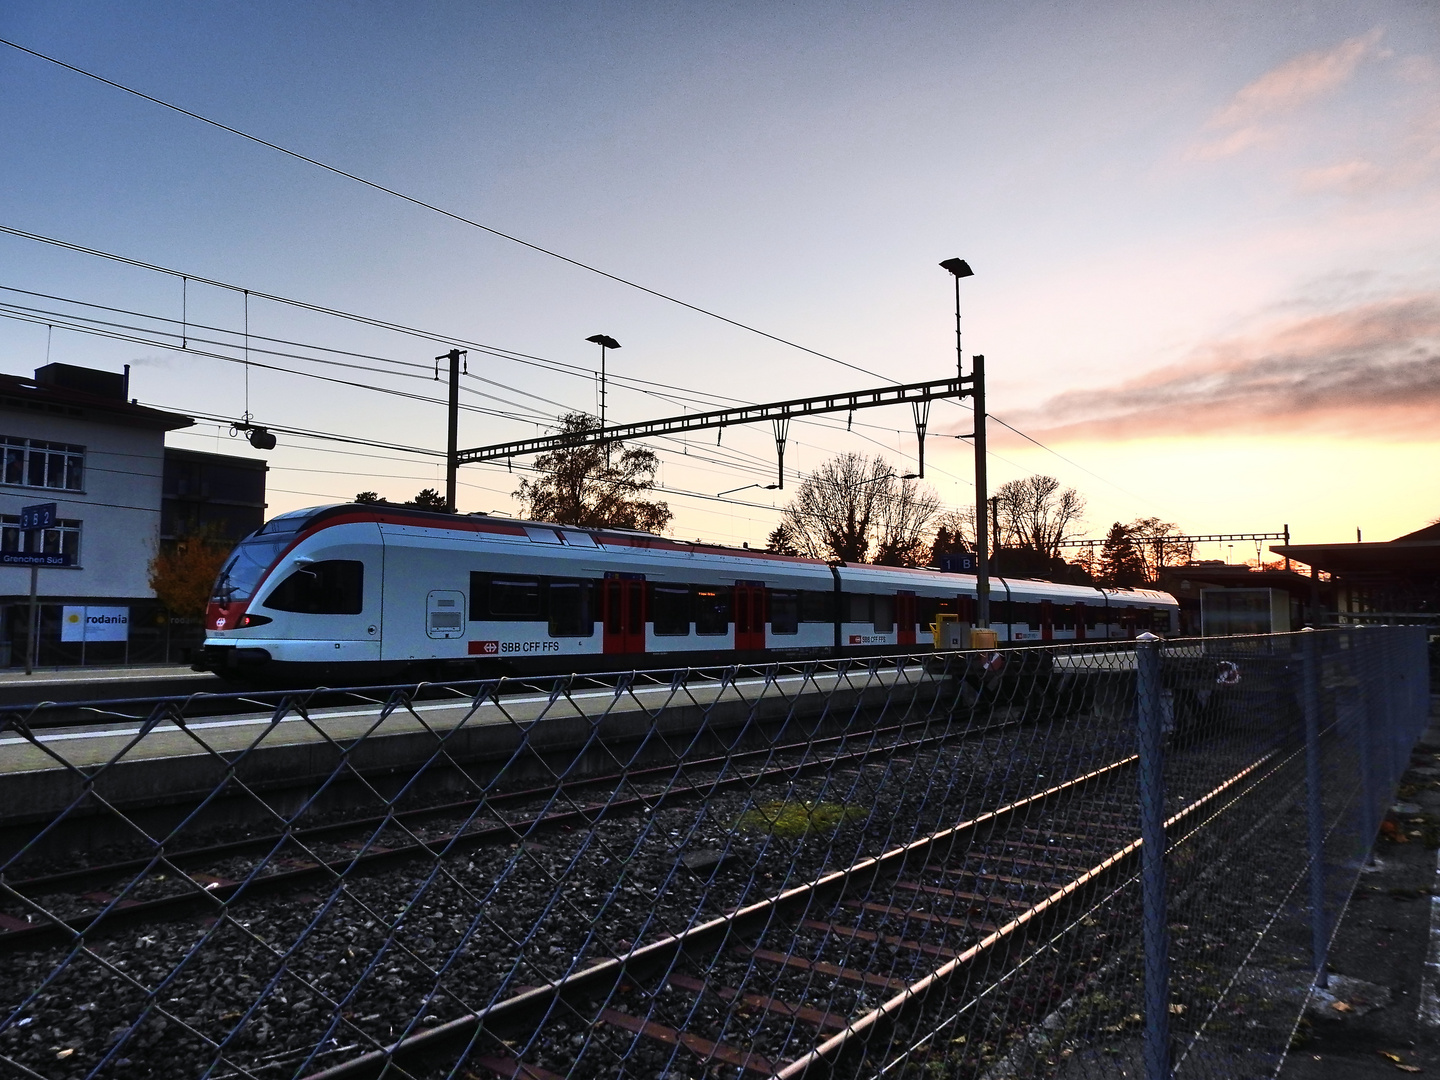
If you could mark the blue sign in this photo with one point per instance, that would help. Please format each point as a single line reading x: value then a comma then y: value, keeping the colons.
x: 35, y: 558
x: 39, y: 516
x: 961, y: 563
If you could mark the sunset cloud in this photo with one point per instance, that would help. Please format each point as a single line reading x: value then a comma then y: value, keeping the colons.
x: 1371, y: 370
x: 1248, y: 118
x: 1412, y: 159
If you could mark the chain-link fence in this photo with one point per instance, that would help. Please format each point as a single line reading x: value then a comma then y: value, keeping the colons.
x: 913, y: 866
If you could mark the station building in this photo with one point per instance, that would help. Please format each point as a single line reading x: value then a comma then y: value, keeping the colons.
x: 74, y: 437
x: 1394, y: 581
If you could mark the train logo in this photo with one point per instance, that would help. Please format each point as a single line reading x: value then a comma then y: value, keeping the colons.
x: 484, y: 648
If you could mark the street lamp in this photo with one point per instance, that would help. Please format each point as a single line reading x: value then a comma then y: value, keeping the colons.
x: 747, y: 487
x: 959, y: 268
x: 882, y: 476
x: 605, y: 342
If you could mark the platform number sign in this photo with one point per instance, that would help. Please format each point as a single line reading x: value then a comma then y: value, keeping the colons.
x: 35, y: 519
x: 39, y: 516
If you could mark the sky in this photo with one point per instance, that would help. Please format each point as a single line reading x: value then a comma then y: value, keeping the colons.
x: 1204, y: 235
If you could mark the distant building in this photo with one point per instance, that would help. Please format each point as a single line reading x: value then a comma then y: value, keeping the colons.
x: 71, y: 436
x: 217, y: 495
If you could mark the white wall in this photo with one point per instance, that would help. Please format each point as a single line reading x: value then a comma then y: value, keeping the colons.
x: 119, y: 508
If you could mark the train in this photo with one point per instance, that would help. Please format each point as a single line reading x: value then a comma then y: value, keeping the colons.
x: 359, y: 593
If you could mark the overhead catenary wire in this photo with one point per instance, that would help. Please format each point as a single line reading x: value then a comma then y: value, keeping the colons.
x: 514, y: 355
x: 185, y: 346
x: 634, y: 383
x: 133, y: 339
x: 575, y: 370
x: 433, y: 207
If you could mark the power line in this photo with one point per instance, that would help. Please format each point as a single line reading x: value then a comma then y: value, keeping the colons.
x: 498, y: 352
x: 422, y: 371
x: 431, y: 206
x: 305, y: 432
x: 116, y: 336
x: 495, y: 351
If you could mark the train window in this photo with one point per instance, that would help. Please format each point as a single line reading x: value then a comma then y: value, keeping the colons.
x: 859, y: 608
x: 712, y: 609
x: 926, y: 610
x: 784, y: 612
x: 515, y: 598
x: 1064, y: 616
x: 670, y: 609
x: 817, y: 607
x: 884, y: 608
x: 572, y: 608
x: 332, y: 587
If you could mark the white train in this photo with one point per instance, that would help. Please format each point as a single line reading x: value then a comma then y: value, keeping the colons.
x: 363, y: 592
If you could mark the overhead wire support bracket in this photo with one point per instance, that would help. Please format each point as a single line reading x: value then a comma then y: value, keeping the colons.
x: 909, y: 393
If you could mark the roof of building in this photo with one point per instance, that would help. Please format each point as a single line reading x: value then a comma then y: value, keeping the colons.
x: 1429, y: 532
x: 1415, y: 552
x: 55, y: 392
x: 1188, y: 580
x: 205, y: 457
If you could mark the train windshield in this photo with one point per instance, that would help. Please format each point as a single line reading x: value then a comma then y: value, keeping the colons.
x: 252, y: 557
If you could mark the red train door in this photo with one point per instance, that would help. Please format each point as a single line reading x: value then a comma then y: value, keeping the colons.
x: 905, y: 618
x: 624, y: 614
x: 1047, y: 620
x: 1080, y: 620
x: 749, y: 617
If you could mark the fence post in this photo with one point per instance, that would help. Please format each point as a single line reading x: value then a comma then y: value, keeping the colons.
x: 1314, y: 812
x: 1151, y: 737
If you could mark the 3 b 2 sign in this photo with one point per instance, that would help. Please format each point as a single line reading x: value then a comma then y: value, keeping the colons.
x: 95, y: 624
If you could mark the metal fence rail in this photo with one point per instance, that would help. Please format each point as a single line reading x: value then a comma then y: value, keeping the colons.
x: 1059, y: 861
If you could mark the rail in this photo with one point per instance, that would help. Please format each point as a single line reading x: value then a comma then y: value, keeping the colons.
x: 973, y: 864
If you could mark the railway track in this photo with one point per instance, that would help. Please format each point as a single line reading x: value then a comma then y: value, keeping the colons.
x: 740, y: 990
x: 941, y: 879
x: 105, y: 897
x: 607, y: 924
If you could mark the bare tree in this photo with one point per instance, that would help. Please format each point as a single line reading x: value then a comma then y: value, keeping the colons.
x: 1156, y: 546
x: 954, y: 533
x: 856, y: 509
x: 1036, y: 514
x: 834, y: 511
x: 906, y: 512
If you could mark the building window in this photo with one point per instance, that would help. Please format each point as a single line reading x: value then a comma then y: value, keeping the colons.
x: 39, y: 464
x: 62, y: 539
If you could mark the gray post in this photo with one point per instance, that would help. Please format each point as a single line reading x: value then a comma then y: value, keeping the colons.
x: 1314, y: 812
x: 452, y: 429
x: 32, y: 649
x: 982, y: 546
x: 1368, y: 824
x: 1151, y: 737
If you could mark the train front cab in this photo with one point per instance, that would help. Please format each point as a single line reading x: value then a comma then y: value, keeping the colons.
x: 309, y: 605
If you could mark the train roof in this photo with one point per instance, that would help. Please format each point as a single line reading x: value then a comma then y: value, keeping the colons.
x: 315, y: 517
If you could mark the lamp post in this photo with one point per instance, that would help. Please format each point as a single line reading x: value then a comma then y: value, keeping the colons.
x: 605, y: 342
x: 961, y: 269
